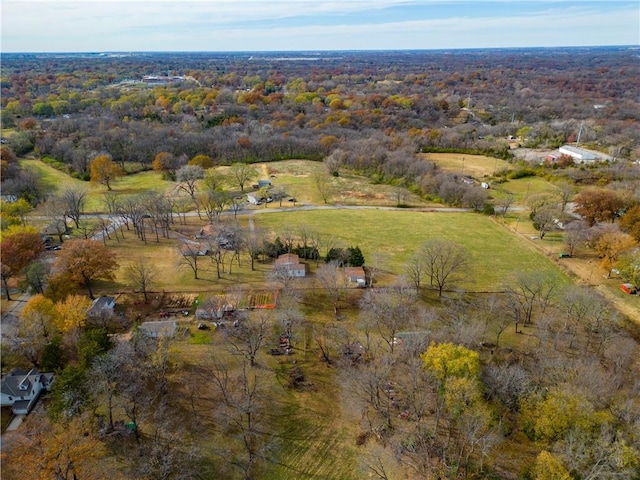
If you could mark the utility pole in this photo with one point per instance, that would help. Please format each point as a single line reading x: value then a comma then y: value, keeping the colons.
x: 579, y: 134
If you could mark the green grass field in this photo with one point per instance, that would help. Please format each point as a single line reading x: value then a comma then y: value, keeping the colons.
x: 55, y: 180
x: 494, y: 253
x: 477, y: 166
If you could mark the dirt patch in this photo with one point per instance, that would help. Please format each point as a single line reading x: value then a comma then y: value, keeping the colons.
x: 587, y: 270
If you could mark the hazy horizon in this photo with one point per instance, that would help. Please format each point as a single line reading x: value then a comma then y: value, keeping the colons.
x: 90, y: 26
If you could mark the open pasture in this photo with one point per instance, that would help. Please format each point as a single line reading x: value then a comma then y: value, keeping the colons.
x: 297, y: 177
x: 477, y: 166
x: 494, y: 253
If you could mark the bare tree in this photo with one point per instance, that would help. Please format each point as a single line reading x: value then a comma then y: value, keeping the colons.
x: 248, y: 335
x: 74, y: 200
x: 141, y: 275
x: 526, y: 293
x: 575, y: 235
x: 188, y: 177
x: 240, y: 408
x: 505, y: 204
x: 242, y: 173
x: 388, y: 311
x: 444, y: 263
x: 545, y: 220
x: 189, y: 254
x: 329, y: 276
x: 322, y: 182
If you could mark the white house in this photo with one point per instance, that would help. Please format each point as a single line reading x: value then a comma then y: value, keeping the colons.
x: 20, y: 389
x: 290, y: 262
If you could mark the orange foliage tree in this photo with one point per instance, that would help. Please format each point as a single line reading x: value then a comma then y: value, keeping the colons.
x: 85, y: 261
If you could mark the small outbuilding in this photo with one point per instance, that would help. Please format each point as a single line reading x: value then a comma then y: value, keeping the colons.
x: 356, y: 275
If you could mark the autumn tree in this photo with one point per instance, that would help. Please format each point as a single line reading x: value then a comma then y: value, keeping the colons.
x: 548, y: 467
x: 18, y: 248
x: 104, y: 170
x: 242, y: 173
x: 85, y: 261
x: 35, y: 329
x: 15, y: 212
x: 598, y: 205
x: 630, y: 222
x: 168, y: 164
x: 629, y: 266
x: 611, y: 244
x: 71, y: 313
x: 201, y: 160
x: 61, y: 451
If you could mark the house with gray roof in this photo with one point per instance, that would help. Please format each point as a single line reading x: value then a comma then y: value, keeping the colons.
x: 20, y: 389
x: 160, y: 329
x: 102, y: 307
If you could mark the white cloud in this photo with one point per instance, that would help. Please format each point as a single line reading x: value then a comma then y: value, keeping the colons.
x: 99, y: 25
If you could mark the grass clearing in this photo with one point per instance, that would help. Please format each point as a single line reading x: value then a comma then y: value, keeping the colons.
x: 477, y: 166
x: 129, y: 184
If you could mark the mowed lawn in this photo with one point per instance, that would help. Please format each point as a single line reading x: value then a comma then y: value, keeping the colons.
x: 495, y: 254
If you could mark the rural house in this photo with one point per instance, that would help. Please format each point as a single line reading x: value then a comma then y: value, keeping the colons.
x: 160, y: 329
x: 291, y: 263
x: 356, y: 275
x: 21, y: 389
x: 102, y: 307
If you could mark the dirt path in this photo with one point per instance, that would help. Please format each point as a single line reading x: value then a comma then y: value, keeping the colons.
x: 586, y: 270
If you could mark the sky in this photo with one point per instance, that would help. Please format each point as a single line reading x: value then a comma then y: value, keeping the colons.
x: 300, y: 25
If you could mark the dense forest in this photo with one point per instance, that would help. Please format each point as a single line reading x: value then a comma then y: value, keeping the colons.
x: 377, y: 109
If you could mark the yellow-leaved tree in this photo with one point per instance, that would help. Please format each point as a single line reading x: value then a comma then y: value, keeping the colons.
x: 72, y: 313
x: 548, y: 467
x: 103, y: 170
x: 35, y: 328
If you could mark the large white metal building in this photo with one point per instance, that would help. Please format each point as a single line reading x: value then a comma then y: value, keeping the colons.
x: 578, y: 154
